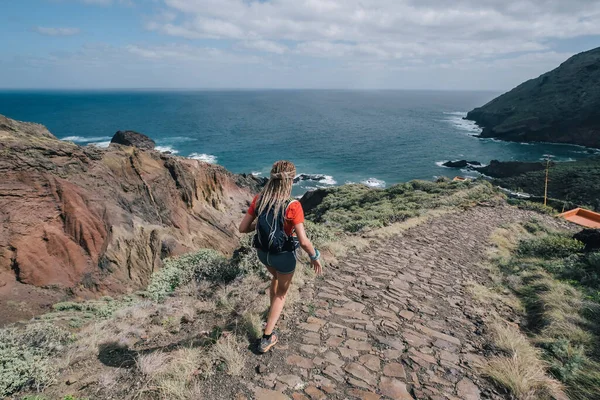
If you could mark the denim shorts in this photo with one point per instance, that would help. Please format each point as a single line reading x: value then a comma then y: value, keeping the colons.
x: 283, y: 263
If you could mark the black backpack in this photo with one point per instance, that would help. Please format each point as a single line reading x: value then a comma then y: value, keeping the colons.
x: 270, y: 235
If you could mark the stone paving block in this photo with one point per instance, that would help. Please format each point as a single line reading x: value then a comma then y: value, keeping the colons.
x: 358, y: 345
x: 314, y: 393
x: 371, y: 362
x: 266, y: 394
x: 298, y: 361
x: 363, y: 394
x: 394, y: 388
x: 360, y: 372
x: 395, y: 370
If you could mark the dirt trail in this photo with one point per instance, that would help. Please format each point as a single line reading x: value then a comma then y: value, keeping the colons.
x: 394, y: 322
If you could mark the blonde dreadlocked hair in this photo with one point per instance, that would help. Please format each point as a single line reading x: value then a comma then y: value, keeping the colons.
x: 278, y: 189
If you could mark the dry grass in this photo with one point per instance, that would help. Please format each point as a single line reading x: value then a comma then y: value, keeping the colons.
x: 495, y: 295
x: 252, y: 325
x: 521, y: 371
x: 153, y: 363
x: 506, y: 240
x: 232, y: 352
x: 399, y: 227
x: 173, y: 375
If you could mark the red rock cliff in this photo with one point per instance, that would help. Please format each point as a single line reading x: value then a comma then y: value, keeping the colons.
x: 101, y: 220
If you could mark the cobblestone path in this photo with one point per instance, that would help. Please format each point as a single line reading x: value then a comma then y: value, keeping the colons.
x: 395, y: 322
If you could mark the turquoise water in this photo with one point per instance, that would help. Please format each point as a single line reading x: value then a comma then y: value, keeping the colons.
x: 377, y: 137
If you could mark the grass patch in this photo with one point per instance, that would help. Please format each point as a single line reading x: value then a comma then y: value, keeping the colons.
x: 554, y: 279
x: 520, y: 370
x: 231, y: 353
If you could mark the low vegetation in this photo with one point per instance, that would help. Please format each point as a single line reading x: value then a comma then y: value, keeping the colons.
x: 556, y: 282
x: 26, y: 356
x: 572, y: 183
x: 358, y: 208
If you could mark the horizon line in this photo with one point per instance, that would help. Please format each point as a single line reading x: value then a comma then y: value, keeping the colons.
x: 177, y: 89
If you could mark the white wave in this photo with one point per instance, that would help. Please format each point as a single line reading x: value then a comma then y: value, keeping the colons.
x: 81, y: 139
x: 374, y: 182
x: 256, y: 173
x: 317, y: 178
x: 328, y: 180
x: 164, y: 149
x: 441, y: 163
x: 175, y: 139
x: 207, y: 158
x: 457, y: 120
x: 100, y: 144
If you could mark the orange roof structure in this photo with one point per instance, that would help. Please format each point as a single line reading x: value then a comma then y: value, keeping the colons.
x: 459, y: 178
x: 583, y: 217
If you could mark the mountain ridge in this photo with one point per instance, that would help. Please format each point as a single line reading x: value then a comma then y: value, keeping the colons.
x: 560, y: 106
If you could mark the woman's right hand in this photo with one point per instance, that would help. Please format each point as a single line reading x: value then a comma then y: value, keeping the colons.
x: 316, y: 264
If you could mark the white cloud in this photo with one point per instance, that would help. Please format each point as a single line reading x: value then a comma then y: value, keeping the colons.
x: 265, y: 45
x: 385, y: 28
x: 47, y: 31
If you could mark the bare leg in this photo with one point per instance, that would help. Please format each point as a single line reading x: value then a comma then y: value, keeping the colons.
x: 283, y: 284
x: 273, y: 288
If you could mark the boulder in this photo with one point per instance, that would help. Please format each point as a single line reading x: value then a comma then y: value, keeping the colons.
x: 313, y: 198
x: 309, y: 177
x: 589, y: 237
x: 134, y: 139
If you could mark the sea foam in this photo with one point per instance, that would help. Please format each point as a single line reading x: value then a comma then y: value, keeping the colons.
x: 164, y: 149
x: 374, y: 182
x: 456, y: 119
x: 81, y: 139
x: 208, y: 158
x: 104, y: 144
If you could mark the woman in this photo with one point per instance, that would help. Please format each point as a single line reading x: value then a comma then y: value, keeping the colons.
x: 279, y: 225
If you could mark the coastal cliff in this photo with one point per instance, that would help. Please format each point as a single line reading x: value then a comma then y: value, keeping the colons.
x: 560, y: 106
x: 99, y: 221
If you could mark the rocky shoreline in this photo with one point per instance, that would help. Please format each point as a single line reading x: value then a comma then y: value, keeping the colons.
x: 571, y: 184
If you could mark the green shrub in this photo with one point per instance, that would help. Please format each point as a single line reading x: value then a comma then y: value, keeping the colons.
x: 534, y: 226
x: 532, y: 206
x: 25, y: 356
x: 319, y: 233
x: 550, y: 246
x: 565, y: 359
x: 204, y: 264
x: 593, y: 261
x: 103, y: 308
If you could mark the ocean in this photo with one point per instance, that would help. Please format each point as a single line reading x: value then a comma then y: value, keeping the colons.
x: 375, y: 137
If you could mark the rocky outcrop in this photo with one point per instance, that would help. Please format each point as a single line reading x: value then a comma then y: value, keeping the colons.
x: 505, y: 169
x: 134, y: 139
x: 311, y: 199
x: 561, y: 106
x: 460, y: 164
x: 101, y: 220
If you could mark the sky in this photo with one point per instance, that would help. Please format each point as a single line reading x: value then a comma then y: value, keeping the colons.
x: 345, y: 44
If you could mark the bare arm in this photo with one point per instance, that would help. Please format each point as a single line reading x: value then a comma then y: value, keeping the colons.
x: 247, y: 225
x: 307, y: 247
